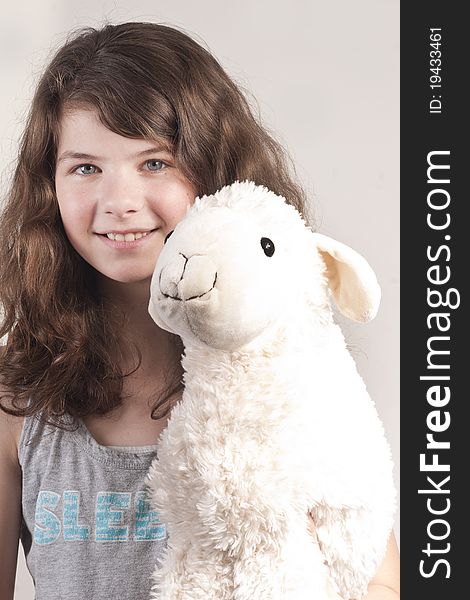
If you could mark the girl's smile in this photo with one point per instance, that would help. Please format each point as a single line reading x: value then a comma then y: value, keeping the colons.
x: 118, y: 197
x: 126, y: 240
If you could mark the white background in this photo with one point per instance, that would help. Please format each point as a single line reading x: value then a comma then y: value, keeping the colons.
x: 326, y: 82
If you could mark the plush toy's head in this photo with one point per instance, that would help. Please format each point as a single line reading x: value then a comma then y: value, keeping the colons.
x: 243, y: 260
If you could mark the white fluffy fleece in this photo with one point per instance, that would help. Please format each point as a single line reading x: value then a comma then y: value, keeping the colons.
x: 275, y: 420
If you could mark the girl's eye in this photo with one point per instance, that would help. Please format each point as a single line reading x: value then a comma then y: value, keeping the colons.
x: 155, y: 165
x: 86, y: 170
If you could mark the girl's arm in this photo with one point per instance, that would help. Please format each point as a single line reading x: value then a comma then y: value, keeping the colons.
x: 385, y: 585
x: 10, y: 504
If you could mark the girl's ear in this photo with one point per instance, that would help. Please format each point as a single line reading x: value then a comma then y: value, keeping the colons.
x: 351, y: 279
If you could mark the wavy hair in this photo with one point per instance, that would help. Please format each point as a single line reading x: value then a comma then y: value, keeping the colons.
x: 144, y: 80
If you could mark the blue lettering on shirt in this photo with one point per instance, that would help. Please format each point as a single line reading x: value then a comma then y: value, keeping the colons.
x: 109, y: 515
x: 47, y: 525
x: 112, y: 521
x: 73, y: 532
x: 147, y: 523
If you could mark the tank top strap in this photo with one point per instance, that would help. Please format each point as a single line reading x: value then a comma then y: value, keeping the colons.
x: 33, y: 431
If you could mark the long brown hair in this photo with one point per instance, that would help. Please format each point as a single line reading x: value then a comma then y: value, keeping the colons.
x: 145, y: 81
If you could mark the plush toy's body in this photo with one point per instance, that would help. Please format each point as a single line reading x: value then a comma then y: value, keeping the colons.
x: 275, y: 420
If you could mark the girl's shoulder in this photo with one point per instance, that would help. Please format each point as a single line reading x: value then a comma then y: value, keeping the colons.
x: 10, y: 432
x: 10, y: 427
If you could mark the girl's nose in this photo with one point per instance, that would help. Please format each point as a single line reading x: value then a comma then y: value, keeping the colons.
x: 122, y: 195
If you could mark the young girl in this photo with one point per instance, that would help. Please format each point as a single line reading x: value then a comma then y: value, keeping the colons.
x: 128, y: 125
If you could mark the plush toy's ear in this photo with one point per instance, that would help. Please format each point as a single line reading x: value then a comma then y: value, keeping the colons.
x: 350, y: 278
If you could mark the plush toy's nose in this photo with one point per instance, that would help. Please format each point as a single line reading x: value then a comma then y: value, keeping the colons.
x: 187, y: 278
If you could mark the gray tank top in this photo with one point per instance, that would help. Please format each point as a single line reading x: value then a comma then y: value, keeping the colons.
x: 88, y: 530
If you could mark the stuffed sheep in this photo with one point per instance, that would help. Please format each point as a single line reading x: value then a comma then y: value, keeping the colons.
x: 275, y: 421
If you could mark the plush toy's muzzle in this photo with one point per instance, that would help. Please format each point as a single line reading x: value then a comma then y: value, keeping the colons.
x: 188, y: 278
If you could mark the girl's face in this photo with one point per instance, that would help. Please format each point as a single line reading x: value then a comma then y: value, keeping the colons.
x: 118, y: 197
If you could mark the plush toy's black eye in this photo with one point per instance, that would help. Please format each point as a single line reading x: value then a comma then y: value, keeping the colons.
x: 167, y: 236
x: 267, y: 246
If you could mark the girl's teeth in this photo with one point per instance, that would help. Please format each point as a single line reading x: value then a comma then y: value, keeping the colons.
x: 126, y: 237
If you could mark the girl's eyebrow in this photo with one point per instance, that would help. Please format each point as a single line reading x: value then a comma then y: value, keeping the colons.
x: 70, y: 154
